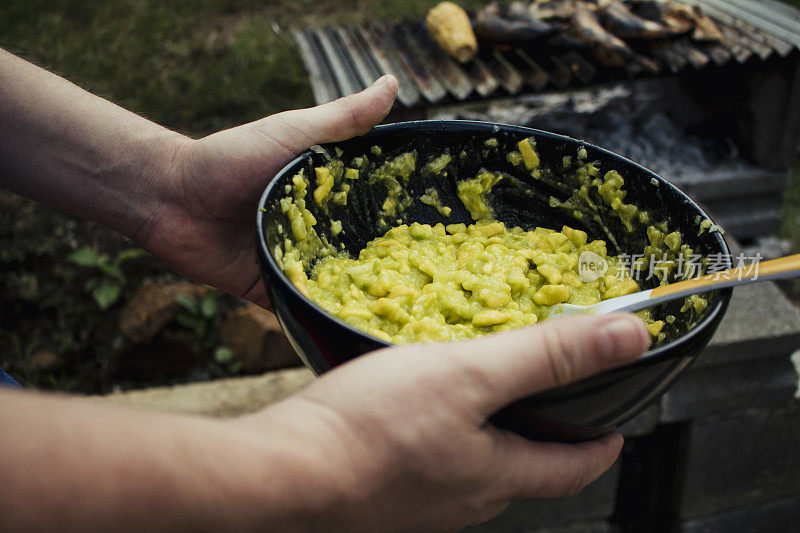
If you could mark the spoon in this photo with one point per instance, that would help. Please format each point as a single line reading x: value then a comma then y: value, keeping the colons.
x: 785, y: 267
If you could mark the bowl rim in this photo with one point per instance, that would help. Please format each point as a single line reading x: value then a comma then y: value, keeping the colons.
x: 482, y: 127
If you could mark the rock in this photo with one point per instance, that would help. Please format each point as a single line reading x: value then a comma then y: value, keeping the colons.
x: 44, y: 358
x: 642, y: 424
x: 221, y: 398
x: 773, y: 516
x: 151, y: 308
x: 173, y: 354
x: 768, y: 247
x: 775, y: 333
x: 716, y: 390
x: 742, y: 459
x: 256, y: 338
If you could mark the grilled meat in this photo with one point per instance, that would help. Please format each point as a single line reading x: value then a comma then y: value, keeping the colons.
x: 681, y: 18
x: 606, y: 47
x: 609, y: 49
x: 704, y: 28
x: 659, y: 12
x: 552, y: 9
x: 620, y: 21
x: 564, y: 40
x: 509, y: 24
x: 519, y: 11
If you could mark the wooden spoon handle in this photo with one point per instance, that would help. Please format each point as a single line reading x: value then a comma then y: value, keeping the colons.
x: 785, y: 267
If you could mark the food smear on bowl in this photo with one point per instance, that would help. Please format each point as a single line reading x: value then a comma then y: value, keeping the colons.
x: 449, y: 281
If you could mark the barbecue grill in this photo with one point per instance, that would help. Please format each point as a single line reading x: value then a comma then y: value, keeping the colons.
x: 742, y: 92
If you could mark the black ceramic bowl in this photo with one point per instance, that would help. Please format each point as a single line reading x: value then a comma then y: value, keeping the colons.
x: 575, y: 412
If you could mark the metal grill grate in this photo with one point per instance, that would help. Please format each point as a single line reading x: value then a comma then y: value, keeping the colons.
x: 345, y: 59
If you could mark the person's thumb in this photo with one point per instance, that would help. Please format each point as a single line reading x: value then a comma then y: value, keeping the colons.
x: 341, y: 119
x: 245, y: 156
x: 506, y: 367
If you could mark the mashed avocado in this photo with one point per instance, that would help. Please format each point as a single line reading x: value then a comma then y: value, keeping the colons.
x: 419, y: 282
x: 432, y: 283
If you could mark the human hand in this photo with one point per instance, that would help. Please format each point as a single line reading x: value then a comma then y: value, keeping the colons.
x: 399, y: 439
x: 203, y: 227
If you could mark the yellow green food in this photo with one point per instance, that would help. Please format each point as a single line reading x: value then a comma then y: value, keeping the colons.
x: 450, y: 27
x: 433, y: 283
x: 419, y: 282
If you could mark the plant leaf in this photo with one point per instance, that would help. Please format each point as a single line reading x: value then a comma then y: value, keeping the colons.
x: 187, y: 302
x: 130, y: 253
x: 208, y: 305
x: 106, y: 294
x: 112, y: 270
x: 193, y: 323
x: 85, y: 257
x: 223, y: 355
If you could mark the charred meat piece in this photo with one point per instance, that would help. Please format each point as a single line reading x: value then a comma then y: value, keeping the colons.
x: 681, y: 18
x: 705, y: 30
x: 654, y: 10
x: 552, y: 9
x: 564, y: 40
x: 610, y: 50
x: 620, y: 21
x: 519, y: 11
x: 659, y: 12
x: 509, y: 24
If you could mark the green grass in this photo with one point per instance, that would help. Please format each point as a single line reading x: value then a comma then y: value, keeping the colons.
x: 194, y: 66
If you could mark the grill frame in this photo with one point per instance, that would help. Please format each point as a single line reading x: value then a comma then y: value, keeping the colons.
x: 756, y: 74
x: 341, y: 60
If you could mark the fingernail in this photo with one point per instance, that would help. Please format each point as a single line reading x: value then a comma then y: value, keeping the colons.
x: 623, y: 336
x: 380, y: 81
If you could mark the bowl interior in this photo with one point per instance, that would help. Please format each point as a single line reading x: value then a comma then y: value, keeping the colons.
x: 519, y: 199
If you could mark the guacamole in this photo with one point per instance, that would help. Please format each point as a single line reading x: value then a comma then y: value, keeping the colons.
x: 420, y: 282
x: 432, y: 283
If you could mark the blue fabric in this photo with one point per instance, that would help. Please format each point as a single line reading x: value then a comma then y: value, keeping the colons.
x: 7, y: 381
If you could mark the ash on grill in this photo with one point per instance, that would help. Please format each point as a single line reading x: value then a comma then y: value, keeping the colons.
x: 705, y: 92
x: 637, y: 120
